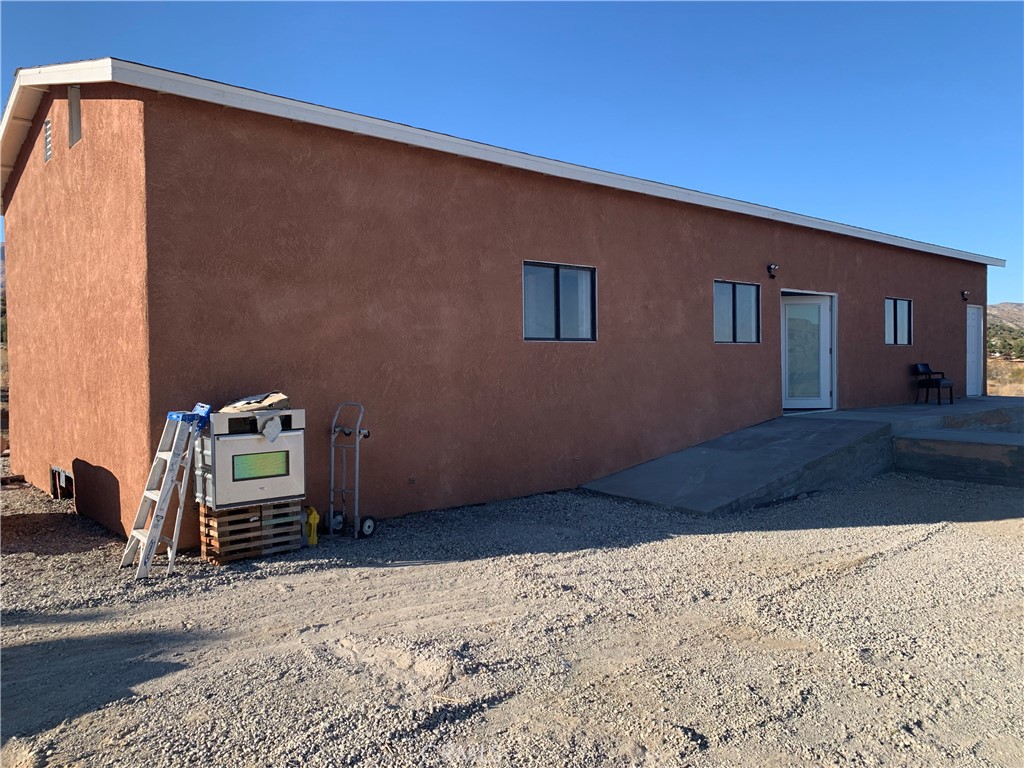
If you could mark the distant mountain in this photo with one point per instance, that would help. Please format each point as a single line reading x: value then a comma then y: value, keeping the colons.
x: 1007, y: 313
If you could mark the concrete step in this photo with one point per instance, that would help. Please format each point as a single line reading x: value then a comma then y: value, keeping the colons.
x: 979, y: 456
x: 768, y: 462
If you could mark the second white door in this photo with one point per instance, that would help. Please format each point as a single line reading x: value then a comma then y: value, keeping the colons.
x: 975, y: 345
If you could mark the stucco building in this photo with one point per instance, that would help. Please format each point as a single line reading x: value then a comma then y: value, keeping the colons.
x: 513, y: 324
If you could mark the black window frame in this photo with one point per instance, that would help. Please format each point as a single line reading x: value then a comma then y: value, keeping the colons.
x: 895, y: 322
x: 757, y: 311
x: 557, y: 268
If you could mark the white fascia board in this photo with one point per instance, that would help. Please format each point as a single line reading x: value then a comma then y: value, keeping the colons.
x: 187, y: 86
x: 91, y: 71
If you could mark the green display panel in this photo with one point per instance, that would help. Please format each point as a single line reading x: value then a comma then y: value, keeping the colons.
x: 256, y: 466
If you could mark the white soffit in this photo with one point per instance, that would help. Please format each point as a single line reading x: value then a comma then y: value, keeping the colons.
x: 31, y: 83
x: 29, y: 86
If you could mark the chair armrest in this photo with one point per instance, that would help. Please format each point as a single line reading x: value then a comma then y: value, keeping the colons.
x: 940, y: 374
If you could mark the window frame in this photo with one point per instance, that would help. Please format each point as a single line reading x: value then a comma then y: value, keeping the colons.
x: 757, y: 313
x: 557, y: 267
x: 895, y: 321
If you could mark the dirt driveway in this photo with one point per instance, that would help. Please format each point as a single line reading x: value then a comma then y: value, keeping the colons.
x: 879, y: 625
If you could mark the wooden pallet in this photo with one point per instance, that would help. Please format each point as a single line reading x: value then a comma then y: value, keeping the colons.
x: 239, y: 534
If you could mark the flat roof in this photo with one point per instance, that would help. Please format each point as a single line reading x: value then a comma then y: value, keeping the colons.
x: 30, y: 83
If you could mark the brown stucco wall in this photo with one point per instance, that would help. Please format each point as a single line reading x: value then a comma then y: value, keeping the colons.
x: 339, y: 267
x: 76, y: 251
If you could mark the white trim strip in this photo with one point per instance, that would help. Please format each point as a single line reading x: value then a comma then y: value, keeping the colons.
x: 151, y: 78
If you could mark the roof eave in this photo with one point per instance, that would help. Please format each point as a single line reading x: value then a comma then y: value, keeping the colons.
x: 30, y: 83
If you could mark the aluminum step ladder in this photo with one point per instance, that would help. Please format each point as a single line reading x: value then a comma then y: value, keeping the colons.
x: 173, y: 453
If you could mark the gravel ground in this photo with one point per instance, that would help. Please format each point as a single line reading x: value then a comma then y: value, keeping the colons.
x: 879, y: 625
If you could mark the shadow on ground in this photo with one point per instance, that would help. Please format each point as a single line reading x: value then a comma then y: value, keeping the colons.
x: 19, y: 616
x: 563, y: 521
x: 47, y: 682
x: 51, y: 533
x: 571, y: 521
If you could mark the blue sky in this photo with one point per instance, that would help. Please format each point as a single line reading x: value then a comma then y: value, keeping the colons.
x: 905, y: 118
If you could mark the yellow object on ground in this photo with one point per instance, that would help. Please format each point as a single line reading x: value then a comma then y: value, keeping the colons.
x: 312, y: 520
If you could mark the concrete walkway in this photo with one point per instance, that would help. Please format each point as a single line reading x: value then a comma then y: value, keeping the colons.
x: 805, y: 452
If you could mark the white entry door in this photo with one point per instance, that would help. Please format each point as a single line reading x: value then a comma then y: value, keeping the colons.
x: 807, y: 352
x: 975, y: 350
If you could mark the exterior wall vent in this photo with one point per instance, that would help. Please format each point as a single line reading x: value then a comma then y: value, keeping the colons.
x: 62, y: 484
x: 47, y: 140
x: 74, y: 114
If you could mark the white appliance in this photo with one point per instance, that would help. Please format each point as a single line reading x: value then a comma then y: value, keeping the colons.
x: 255, y: 457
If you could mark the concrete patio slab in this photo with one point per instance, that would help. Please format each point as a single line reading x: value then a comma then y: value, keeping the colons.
x: 973, y: 413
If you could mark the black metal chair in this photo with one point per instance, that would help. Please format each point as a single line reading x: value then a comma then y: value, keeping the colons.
x: 927, y: 379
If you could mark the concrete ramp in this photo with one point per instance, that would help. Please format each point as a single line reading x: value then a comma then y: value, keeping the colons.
x: 767, y: 462
x: 979, y: 440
